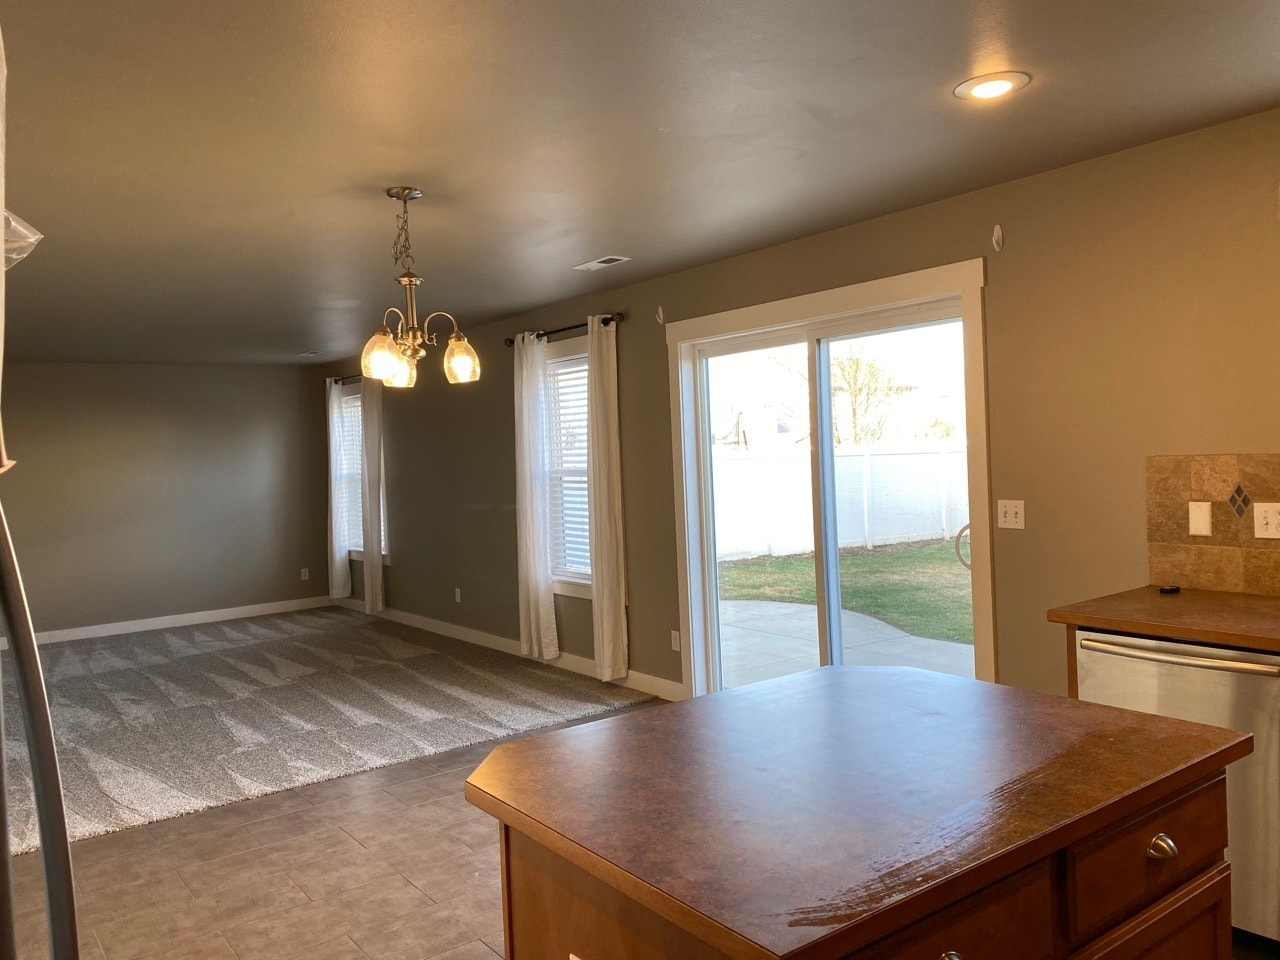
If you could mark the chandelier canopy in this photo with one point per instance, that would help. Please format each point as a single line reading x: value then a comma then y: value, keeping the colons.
x: 392, y: 357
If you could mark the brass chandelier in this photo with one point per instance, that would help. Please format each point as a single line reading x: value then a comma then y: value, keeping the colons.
x: 393, y: 357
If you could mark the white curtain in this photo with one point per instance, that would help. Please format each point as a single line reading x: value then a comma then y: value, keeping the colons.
x: 339, y: 548
x: 604, y: 493
x: 5, y: 462
x: 538, y: 637
x: 371, y: 481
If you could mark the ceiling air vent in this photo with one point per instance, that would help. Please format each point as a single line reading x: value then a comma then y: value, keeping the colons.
x: 601, y: 262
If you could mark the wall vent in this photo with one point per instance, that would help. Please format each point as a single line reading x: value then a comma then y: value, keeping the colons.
x: 601, y: 262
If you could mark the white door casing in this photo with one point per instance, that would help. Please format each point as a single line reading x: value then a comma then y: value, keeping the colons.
x: 953, y: 290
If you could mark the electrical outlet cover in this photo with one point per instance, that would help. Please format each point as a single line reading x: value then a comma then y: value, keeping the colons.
x: 1011, y: 514
x: 1200, y: 518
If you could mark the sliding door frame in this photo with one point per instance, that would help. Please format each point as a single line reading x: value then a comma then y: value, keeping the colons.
x: 924, y: 295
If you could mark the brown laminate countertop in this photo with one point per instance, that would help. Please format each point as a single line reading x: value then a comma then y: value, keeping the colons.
x: 1204, y: 616
x: 813, y: 814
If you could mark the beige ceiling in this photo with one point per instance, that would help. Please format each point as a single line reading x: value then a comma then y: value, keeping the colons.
x: 210, y: 174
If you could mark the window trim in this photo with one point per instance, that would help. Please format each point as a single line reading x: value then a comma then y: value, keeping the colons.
x: 569, y: 348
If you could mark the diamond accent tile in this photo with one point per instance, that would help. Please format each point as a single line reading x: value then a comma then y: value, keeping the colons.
x: 1239, y: 501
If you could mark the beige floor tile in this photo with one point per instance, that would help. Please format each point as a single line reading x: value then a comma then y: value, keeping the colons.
x: 228, y: 816
x: 475, y: 950
x: 164, y: 928
x: 211, y: 947
x: 332, y: 813
x: 476, y: 834
x: 429, y: 788
x: 344, y: 787
x: 343, y: 948
x: 496, y: 942
x: 454, y: 807
x: 121, y: 843
x: 194, y: 824
x: 213, y: 845
x: 378, y: 904
x: 322, y: 879
x: 381, y: 829
x: 446, y: 879
x: 421, y: 844
x: 99, y: 905
x: 466, y: 758
x: 32, y: 940
x: 430, y: 932
x: 203, y: 878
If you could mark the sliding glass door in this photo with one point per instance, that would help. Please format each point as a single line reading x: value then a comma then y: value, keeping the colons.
x: 760, y: 458
x: 826, y: 470
x: 896, y: 497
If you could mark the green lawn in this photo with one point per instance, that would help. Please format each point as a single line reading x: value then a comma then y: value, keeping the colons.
x: 919, y: 588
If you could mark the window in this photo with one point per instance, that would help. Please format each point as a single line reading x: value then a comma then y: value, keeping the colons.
x: 566, y: 438
x: 348, y: 495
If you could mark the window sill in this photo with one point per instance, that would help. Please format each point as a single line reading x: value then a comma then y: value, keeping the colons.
x: 572, y: 588
x: 359, y: 555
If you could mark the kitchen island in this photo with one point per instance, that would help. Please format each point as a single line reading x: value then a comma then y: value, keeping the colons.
x: 869, y: 812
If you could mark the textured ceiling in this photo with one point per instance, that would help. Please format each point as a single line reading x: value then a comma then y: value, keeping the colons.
x: 210, y: 174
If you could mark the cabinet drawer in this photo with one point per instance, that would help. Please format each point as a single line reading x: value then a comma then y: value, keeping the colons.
x: 1011, y: 920
x: 1124, y: 869
x: 1193, y: 923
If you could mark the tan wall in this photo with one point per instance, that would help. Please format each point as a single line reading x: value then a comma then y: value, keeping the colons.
x: 1135, y: 309
x: 147, y: 491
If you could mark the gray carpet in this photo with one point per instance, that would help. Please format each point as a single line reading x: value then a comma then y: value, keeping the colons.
x: 156, y: 724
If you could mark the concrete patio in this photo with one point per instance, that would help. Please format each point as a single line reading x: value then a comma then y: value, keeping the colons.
x: 761, y: 639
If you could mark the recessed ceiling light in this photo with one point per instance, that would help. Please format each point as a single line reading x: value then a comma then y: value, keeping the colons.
x: 991, y: 85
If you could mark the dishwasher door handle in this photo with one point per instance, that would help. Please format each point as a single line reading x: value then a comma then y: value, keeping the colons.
x: 1180, y: 659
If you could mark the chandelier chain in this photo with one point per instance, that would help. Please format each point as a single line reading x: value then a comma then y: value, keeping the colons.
x: 400, y: 246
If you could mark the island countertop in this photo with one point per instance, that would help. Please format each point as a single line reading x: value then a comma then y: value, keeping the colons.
x: 811, y: 815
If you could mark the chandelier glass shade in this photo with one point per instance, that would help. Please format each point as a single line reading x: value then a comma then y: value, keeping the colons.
x: 20, y: 238
x: 392, y: 355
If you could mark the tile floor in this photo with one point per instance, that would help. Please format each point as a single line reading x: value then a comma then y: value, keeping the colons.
x: 390, y: 864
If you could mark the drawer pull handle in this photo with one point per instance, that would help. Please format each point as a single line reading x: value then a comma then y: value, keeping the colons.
x: 951, y: 955
x: 1162, y: 847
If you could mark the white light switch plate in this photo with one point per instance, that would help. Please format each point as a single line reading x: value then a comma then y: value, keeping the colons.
x: 1266, y: 521
x: 1201, y: 518
x: 1011, y: 514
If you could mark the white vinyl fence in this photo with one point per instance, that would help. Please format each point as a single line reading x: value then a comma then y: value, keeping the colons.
x: 762, y: 501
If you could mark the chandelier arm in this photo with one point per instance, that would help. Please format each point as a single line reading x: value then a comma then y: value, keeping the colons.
x: 439, y: 313
x: 388, y: 312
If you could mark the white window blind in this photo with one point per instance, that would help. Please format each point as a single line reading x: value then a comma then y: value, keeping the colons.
x: 348, y: 498
x: 566, y: 437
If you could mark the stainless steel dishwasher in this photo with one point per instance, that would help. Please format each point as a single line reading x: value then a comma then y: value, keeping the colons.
x: 1230, y: 688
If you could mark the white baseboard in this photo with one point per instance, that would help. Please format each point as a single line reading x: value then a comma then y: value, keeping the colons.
x: 178, y: 620
x: 642, y: 682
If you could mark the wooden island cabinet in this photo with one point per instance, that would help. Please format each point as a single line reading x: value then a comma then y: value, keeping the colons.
x: 868, y: 813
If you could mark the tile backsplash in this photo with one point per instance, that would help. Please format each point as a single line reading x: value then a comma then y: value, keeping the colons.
x: 1230, y: 558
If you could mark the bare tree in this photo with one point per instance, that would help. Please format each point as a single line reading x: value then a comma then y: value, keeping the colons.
x: 865, y: 388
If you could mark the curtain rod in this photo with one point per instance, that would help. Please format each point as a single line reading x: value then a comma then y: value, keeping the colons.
x: 543, y: 334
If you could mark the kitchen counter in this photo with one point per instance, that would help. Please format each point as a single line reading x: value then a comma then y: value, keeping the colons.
x: 854, y: 809
x: 1213, y: 617
x: 1204, y: 616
